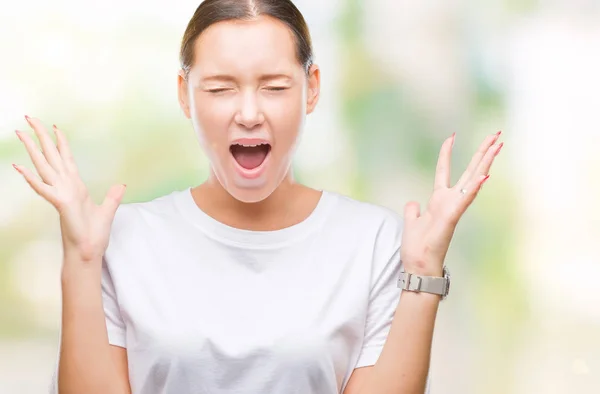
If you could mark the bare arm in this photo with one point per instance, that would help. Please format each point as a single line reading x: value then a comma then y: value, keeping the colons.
x: 357, y: 379
x: 403, y: 365
x: 87, y: 362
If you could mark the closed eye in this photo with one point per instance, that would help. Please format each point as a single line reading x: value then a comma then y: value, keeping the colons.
x: 220, y: 90
x: 276, y: 88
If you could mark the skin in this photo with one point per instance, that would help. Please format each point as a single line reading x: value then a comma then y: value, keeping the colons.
x: 246, y: 81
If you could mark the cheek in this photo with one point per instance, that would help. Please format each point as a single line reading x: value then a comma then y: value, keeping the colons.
x: 211, y: 121
x: 287, y: 119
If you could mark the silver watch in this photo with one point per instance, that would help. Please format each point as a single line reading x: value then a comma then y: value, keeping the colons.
x: 428, y: 284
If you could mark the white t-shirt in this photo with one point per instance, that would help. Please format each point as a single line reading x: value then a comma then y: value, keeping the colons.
x: 204, y: 308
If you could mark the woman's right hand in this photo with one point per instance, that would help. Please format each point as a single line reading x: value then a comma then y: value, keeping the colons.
x: 85, y: 226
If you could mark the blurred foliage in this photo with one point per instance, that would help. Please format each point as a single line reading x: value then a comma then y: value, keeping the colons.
x: 388, y: 129
x: 138, y: 136
x: 385, y: 125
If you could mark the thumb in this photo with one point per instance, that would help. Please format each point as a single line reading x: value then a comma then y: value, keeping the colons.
x: 113, y: 199
x: 412, y: 211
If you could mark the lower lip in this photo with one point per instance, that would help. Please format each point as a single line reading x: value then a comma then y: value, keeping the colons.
x: 255, y: 172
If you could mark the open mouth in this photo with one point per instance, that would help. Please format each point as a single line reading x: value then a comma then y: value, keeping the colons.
x: 250, y: 156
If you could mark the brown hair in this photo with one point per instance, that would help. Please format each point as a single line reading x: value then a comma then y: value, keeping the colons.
x: 210, y: 12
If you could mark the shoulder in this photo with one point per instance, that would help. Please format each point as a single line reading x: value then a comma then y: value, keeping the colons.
x: 371, y: 231
x: 135, y: 219
x: 367, y: 217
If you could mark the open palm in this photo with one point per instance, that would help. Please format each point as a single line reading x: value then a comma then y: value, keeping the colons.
x: 85, y: 226
x: 426, y: 236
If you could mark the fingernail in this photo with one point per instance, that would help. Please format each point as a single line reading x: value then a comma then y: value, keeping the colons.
x: 499, y: 148
x: 18, y: 134
x: 497, y: 136
x: 453, y: 138
x: 16, y: 167
x: 485, y: 178
x: 27, y: 118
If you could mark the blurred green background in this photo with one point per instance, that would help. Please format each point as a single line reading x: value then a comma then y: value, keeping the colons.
x: 398, y: 78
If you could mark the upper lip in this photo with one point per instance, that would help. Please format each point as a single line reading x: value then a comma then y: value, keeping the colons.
x: 250, y: 141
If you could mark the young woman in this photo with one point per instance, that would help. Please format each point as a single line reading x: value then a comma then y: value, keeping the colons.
x: 249, y: 282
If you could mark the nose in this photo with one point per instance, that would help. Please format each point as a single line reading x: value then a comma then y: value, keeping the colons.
x: 249, y: 113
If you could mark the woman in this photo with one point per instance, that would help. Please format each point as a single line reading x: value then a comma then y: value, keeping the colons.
x: 249, y: 282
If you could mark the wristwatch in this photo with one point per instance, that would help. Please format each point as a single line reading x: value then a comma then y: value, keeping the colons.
x: 428, y: 284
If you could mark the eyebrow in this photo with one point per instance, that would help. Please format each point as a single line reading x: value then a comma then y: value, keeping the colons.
x: 230, y: 78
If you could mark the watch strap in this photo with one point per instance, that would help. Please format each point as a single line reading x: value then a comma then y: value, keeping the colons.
x: 427, y: 284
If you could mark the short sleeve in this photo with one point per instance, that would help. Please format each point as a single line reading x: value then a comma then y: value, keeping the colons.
x: 115, y: 326
x: 383, y: 300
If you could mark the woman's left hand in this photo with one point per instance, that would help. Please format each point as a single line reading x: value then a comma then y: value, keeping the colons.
x: 426, y: 237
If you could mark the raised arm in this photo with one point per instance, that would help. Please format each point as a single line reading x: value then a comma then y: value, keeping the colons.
x: 87, y: 363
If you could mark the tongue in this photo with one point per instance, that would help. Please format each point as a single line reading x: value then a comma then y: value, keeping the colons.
x: 249, y: 157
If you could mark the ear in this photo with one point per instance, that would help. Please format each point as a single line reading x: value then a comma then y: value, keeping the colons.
x: 182, y: 93
x: 313, y: 88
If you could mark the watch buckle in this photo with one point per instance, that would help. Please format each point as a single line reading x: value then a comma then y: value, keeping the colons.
x: 407, y: 279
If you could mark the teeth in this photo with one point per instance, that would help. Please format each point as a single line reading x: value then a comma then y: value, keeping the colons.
x: 251, y: 146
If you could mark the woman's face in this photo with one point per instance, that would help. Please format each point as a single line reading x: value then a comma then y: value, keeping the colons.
x: 247, y: 96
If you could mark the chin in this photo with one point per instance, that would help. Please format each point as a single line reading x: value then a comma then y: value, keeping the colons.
x: 250, y: 196
x: 250, y: 190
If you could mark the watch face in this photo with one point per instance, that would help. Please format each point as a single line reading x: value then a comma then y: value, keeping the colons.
x: 447, y: 276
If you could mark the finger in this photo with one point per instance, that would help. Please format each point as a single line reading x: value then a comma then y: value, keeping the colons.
x: 412, y: 211
x: 473, y: 187
x: 442, y: 172
x: 44, y: 190
x: 113, y: 199
x: 44, y: 169
x: 484, y: 166
x: 65, y: 150
x: 472, y: 167
x: 48, y: 148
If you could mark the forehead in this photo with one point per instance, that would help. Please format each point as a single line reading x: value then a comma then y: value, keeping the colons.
x: 262, y: 45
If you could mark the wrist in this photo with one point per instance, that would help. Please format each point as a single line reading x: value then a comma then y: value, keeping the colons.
x: 81, y: 253
x: 424, y: 269
x: 82, y: 250
x: 77, y: 269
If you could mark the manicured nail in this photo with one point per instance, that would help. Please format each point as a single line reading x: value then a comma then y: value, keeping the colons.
x: 485, y: 178
x: 18, y: 133
x: 453, y: 138
x: 499, y: 148
x: 27, y: 118
x: 497, y: 136
x: 16, y: 167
